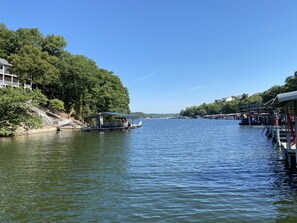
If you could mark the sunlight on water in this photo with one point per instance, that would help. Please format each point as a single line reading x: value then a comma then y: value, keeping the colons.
x: 167, y: 171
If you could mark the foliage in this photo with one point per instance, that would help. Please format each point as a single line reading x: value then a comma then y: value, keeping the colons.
x: 291, y: 83
x: 272, y: 92
x: 14, y: 109
x: 113, y: 95
x: 56, y: 104
x: 234, y: 106
x: 74, y: 79
x: 220, y: 107
x: 5, y: 34
x: 141, y: 115
x: 31, y: 62
x: 23, y: 37
x: 54, y: 45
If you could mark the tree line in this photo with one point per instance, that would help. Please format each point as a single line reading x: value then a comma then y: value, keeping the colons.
x: 75, y: 80
x: 141, y: 115
x: 61, y: 80
x: 234, y: 106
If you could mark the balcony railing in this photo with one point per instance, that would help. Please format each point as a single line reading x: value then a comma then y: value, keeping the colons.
x: 14, y: 84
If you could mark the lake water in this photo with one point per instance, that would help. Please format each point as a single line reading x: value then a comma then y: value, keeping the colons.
x: 167, y: 171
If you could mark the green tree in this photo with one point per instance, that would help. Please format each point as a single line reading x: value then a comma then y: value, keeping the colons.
x: 78, y: 93
x: 23, y: 37
x: 31, y: 62
x: 74, y: 79
x: 56, y: 104
x: 54, y: 45
x: 202, y: 112
x: 15, y: 106
x: 5, y: 34
x: 230, y: 107
x: 291, y: 83
x: 113, y: 96
x: 272, y: 92
x: 244, y: 96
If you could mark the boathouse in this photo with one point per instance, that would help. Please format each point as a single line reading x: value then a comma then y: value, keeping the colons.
x: 255, y: 114
x: 9, y: 79
x: 286, y: 103
x: 108, y: 121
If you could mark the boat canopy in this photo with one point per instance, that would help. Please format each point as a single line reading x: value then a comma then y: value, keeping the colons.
x: 284, y: 98
x: 104, y: 114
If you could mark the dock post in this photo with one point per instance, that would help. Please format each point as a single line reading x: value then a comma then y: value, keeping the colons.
x: 277, y: 129
x: 250, y: 116
x: 288, y: 135
x: 295, y: 129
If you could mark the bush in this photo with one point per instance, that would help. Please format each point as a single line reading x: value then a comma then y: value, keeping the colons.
x: 56, y: 104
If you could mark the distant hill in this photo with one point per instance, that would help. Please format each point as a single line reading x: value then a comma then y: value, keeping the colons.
x: 141, y: 115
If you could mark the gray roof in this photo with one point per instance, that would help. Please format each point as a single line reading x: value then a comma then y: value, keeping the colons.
x: 116, y: 114
x: 284, y: 98
x: 5, y: 62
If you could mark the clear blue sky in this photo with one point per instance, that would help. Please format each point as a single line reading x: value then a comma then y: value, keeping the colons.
x: 171, y: 54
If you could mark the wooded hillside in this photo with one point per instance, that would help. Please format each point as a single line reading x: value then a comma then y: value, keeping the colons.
x: 235, y: 105
x: 73, y: 79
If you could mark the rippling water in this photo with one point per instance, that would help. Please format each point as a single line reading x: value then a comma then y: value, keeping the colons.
x: 167, y: 171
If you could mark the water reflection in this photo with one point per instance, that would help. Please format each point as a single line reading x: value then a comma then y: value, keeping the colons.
x: 66, y: 174
x: 285, y: 188
x: 167, y: 171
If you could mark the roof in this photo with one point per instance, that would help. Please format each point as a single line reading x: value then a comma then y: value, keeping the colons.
x: 252, y: 107
x: 284, y: 98
x: 116, y: 114
x: 5, y: 62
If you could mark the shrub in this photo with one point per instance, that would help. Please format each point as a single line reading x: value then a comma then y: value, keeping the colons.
x: 56, y: 104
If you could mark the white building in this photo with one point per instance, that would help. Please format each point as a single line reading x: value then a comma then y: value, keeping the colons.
x: 228, y: 99
x: 8, y: 79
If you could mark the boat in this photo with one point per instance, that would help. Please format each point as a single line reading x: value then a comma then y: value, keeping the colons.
x: 134, y: 126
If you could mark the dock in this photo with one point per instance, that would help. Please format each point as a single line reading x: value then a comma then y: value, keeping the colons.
x: 109, y: 121
x: 282, y: 126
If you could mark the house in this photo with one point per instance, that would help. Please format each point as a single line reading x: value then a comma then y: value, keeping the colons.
x: 228, y: 99
x: 8, y: 79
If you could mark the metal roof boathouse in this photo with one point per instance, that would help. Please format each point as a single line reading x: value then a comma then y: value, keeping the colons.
x: 285, y: 105
x: 109, y: 121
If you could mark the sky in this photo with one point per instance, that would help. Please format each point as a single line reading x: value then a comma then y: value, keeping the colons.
x: 173, y: 54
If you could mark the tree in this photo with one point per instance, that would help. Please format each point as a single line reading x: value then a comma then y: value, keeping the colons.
x: 23, y: 37
x: 74, y: 79
x: 244, y: 96
x: 112, y: 95
x: 31, y: 62
x: 291, y: 83
x: 201, y: 112
x: 230, y: 107
x: 5, y: 34
x: 56, y: 104
x: 272, y: 92
x: 54, y: 45
x: 78, y: 93
x: 15, y: 109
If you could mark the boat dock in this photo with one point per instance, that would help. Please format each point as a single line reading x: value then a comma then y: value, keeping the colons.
x: 282, y: 127
x: 255, y: 114
x: 109, y: 121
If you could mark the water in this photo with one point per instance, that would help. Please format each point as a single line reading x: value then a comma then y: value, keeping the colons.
x: 166, y: 171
